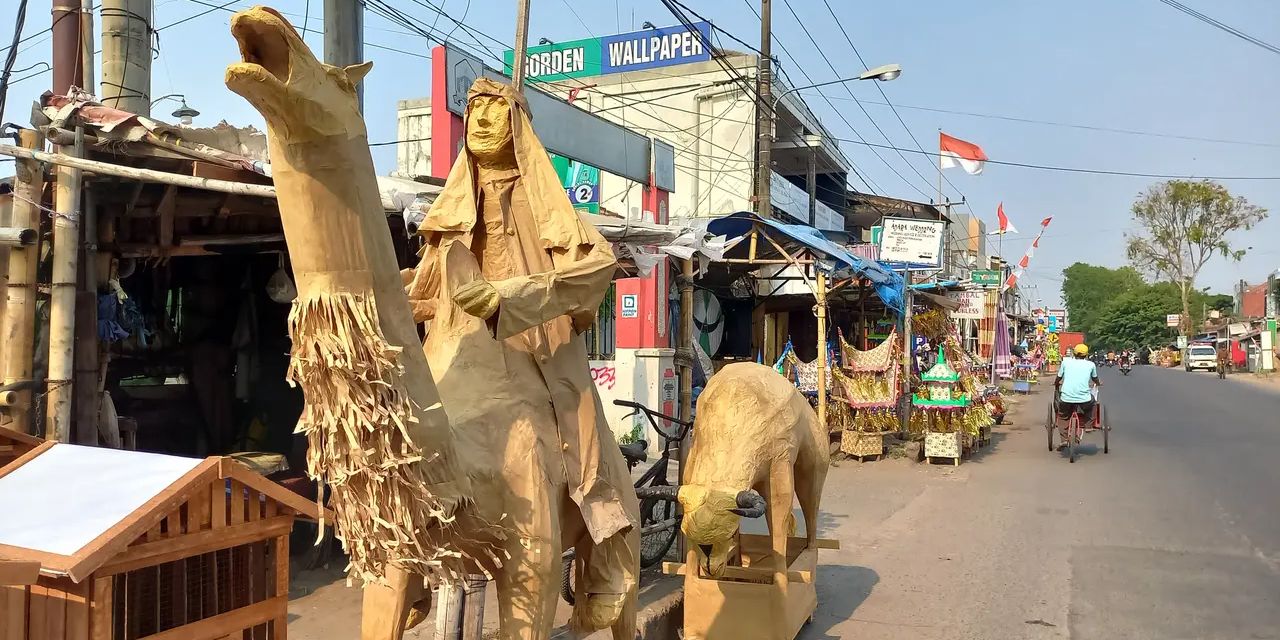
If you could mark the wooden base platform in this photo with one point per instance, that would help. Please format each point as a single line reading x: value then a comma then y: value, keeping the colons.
x: 748, y: 601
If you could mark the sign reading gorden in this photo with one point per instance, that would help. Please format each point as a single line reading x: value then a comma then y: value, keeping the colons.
x: 647, y: 49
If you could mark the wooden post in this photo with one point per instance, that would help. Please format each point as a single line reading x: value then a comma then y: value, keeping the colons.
x: 18, y: 330
x: 907, y: 343
x: 87, y: 349
x: 820, y: 294
x: 473, y: 607
x: 521, y: 49
x: 62, y: 301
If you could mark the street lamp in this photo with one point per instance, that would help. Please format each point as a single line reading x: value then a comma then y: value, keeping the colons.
x: 883, y: 73
x: 184, y: 113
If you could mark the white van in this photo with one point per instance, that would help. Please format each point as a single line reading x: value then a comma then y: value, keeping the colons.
x: 1201, y: 356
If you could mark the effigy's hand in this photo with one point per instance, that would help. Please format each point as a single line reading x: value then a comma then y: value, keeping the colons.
x: 477, y: 298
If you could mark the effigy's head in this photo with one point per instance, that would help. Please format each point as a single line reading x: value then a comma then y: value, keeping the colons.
x: 711, y: 518
x: 490, y: 130
x: 300, y: 97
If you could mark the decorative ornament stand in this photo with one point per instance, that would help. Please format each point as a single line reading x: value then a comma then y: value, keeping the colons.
x: 747, y: 601
x: 944, y: 397
x: 868, y: 386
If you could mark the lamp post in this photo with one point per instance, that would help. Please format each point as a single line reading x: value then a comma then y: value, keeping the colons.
x: 883, y: 73
x: 184, y: 113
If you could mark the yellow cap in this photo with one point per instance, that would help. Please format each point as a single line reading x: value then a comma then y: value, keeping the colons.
x: 1081, y: 349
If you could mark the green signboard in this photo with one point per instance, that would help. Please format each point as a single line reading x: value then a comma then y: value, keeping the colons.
x: 876, y: 232
x: 581, y: 183
x: 985, y: 277
x: 620, y: 53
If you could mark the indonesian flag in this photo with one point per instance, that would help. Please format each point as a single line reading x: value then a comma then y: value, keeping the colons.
x: 1026, y: 257
x: 1005, y: 225
x: 955, y: 152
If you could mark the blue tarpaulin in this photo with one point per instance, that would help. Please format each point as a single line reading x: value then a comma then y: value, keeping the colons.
x: 887, y: 283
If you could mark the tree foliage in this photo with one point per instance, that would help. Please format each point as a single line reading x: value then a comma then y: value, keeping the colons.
x: 1182, y: 224
x: 1087, y: 289
x: 1137, y: 319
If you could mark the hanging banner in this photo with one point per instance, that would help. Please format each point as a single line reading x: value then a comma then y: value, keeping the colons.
x: 914, y: 242
x: 972, y: 304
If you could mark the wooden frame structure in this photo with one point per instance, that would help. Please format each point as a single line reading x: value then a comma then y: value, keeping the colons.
x: 15, y: 444
x: 206, y: 557
x: 745, y: 602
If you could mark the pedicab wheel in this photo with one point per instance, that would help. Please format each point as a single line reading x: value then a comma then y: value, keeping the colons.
x: 1072, y: 436
x: 655, y: 545
x: 1048, y: 426
x: 1106, y: 430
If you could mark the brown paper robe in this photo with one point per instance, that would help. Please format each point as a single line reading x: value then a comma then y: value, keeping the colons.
x: 523, y: 375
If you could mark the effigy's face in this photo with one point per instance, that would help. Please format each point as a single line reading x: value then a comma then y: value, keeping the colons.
x: 489, y: 135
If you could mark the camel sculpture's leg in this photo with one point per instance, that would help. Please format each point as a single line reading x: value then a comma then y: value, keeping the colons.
x: 386, y: 607
x: 809, y: 493
x: 528, y: 579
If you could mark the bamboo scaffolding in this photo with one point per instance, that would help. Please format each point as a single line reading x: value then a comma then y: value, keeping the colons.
x: 18, y: 324
x: 62, y: 301
x: 145, y: 175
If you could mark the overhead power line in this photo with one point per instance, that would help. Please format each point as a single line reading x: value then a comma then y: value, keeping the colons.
x: 1107, y: 172
x: 1217, y: 24
x: 884, y: 95
x: 13, y: 52
x: 1069, y: 125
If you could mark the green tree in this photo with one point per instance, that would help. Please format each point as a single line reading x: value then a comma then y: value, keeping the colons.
x: 1137, y: 318
x: 1182, y: 224
x: 1087, y: 289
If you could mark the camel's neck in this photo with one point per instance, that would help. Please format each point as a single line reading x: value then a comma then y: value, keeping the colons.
x: 724, y: 464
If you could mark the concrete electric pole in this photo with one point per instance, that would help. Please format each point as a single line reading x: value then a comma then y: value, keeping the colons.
x: 344, y: 36
x: 764, y: 115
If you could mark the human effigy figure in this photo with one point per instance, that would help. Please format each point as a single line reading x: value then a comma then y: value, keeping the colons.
x: 508, y: 280
x: 526, y: 423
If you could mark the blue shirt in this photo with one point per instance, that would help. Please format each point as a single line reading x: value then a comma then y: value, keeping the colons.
x: 1075, y: 374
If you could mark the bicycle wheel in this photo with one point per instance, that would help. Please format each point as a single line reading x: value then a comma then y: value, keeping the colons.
x: 1049, y: 430
x: 654, y: 545
x: 566, y: 576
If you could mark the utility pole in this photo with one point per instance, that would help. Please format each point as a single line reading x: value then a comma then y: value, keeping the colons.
x: 344, y: 37
x: 812, y: 181
x: 126, y: 55
x: 764, y: 115
x: 521, y: 50
x: 68, y: 62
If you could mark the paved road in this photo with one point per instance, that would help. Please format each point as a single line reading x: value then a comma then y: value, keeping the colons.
x: 1175, y: 534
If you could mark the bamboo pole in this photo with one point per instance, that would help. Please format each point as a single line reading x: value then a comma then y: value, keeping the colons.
x: 18, y: 330
x: 62, y: 301
x: 144, y: 175
x: 126, y: 55
x: 12, y: 236
x: 820, y: 294
x: 6, y: 218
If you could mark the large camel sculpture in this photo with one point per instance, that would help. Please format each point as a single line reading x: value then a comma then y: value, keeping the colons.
x: 492, y: 488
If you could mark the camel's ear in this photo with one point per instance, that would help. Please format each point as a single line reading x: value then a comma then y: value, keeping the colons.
x: 357, y: 72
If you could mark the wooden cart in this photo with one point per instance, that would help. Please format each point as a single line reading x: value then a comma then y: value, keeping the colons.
x: 746, y: 602
x: 144, y: 546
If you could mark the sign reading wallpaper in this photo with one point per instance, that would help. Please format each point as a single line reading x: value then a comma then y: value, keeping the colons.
x: 634, y: 51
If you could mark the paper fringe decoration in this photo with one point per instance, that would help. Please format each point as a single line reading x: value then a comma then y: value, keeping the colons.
x: 356, y: 421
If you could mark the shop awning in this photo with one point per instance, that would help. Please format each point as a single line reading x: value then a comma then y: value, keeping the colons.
x: 794, y: 237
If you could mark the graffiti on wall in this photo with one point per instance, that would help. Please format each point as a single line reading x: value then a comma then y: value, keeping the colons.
x: 604, y: 377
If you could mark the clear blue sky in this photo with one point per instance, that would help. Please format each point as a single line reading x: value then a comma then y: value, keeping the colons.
x: 1133, y: 65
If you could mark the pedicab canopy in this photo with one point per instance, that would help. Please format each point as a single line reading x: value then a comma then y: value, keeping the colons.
x: 770, y: 241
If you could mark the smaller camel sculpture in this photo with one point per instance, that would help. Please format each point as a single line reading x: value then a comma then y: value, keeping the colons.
x: 757, y: 446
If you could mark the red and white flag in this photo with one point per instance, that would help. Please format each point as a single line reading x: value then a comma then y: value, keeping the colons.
x: 1026, y: 257
x: 954, y: 152
x: 1005, y: 225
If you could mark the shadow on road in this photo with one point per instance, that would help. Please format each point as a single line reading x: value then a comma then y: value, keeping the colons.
x: 841, y: 590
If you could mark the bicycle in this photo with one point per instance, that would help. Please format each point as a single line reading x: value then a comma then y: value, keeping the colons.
x: 659, y: 511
